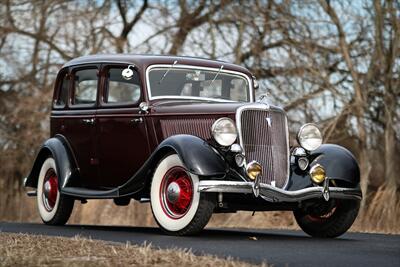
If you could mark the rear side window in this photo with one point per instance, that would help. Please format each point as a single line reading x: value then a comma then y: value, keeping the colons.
x: 62, y: 97
x: 85, y: 87
x: 119, y: 90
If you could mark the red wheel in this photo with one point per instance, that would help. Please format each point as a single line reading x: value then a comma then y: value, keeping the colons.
x: 176, y: 204
x: 54, y: 208
x: 50, y: 190
x: 176, y: 192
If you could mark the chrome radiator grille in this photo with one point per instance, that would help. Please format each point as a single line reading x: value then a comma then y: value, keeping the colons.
x: 264, y: 139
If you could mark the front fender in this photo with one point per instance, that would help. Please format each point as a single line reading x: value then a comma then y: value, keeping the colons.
x: 58, y: 148
x: 339, y: 164
x: 196, y: 154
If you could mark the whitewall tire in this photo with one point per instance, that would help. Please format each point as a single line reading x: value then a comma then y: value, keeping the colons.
x: 176, y: 204
x: 54, y: 208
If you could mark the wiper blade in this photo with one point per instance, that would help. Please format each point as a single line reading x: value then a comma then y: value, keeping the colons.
x: 165, y: 74
x: 216, y: 75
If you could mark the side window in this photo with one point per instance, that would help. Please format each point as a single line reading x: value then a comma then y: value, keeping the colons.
x: 119, y: 90
x: 85, y: 86
x: 62, y: 97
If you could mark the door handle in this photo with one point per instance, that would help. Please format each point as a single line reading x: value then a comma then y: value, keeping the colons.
x: 88, y: 121
x: 137, y: 120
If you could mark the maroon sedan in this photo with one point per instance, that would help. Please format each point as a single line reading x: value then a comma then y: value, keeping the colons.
x: 186, y: 135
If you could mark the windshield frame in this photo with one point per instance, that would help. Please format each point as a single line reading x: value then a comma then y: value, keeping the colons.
x: 184, y: 66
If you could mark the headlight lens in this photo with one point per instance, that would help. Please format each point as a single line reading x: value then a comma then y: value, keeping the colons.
x: 224, y: 131
x: 309, y: 137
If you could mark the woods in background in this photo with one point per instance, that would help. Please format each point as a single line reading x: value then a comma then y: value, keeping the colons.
x: 336, y: 63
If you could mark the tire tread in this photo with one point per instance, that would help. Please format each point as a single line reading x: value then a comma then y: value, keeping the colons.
x: 335, y: 226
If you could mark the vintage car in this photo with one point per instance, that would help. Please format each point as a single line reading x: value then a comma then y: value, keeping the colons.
x: 187, y: 135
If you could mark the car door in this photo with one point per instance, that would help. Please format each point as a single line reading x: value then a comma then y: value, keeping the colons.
x: 122, y: 133
x: 79, y: 123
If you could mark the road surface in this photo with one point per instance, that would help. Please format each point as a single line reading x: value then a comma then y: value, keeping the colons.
x: 277, y: 247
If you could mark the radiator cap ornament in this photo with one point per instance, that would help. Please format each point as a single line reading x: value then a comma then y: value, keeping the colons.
x: 263, y: 99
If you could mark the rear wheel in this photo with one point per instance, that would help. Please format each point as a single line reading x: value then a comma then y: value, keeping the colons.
x: 328, y: 219
x: 54, y: 208
x: 177, y: 206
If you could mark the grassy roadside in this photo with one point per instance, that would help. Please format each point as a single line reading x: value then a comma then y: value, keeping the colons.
x: 32, y: 250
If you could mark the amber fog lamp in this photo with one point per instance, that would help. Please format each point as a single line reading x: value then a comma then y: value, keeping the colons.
x: 317, y: 173
x: 253, y: 169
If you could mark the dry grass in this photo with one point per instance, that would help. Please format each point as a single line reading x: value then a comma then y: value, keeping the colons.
x: 383, y: 212
x: 28, y: 250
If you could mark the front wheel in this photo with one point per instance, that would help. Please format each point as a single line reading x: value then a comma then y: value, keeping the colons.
x: 177, y: 206
x: 54, y: 208
x: 328, y: 219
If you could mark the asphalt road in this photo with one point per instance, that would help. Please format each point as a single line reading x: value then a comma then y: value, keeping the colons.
x: 277, y: 247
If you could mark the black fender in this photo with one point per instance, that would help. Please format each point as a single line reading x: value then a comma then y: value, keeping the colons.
x: 196, y: 154
x: 339, y: 163
x: 58, y: 148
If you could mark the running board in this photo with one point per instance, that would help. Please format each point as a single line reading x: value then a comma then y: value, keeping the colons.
x: 90, y: 193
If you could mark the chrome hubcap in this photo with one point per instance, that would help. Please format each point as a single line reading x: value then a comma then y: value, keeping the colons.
x: 173, y: 192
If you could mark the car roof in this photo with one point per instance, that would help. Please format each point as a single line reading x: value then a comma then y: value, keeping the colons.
x: 143, y: 61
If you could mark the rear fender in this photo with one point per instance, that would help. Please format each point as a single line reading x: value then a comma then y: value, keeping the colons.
x: 58, y: 148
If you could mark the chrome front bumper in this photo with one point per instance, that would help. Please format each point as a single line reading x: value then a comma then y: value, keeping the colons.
x: 274, y: 194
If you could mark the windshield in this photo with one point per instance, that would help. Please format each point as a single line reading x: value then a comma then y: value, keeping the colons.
x: 181, y: 82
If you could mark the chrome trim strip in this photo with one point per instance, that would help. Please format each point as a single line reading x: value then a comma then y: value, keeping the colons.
x: 182, y: 66
x: 264, y: 107
x: 274, y: 194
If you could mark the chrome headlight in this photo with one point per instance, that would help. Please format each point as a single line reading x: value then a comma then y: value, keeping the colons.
x: 224, y: 131
x: 309, y: 137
